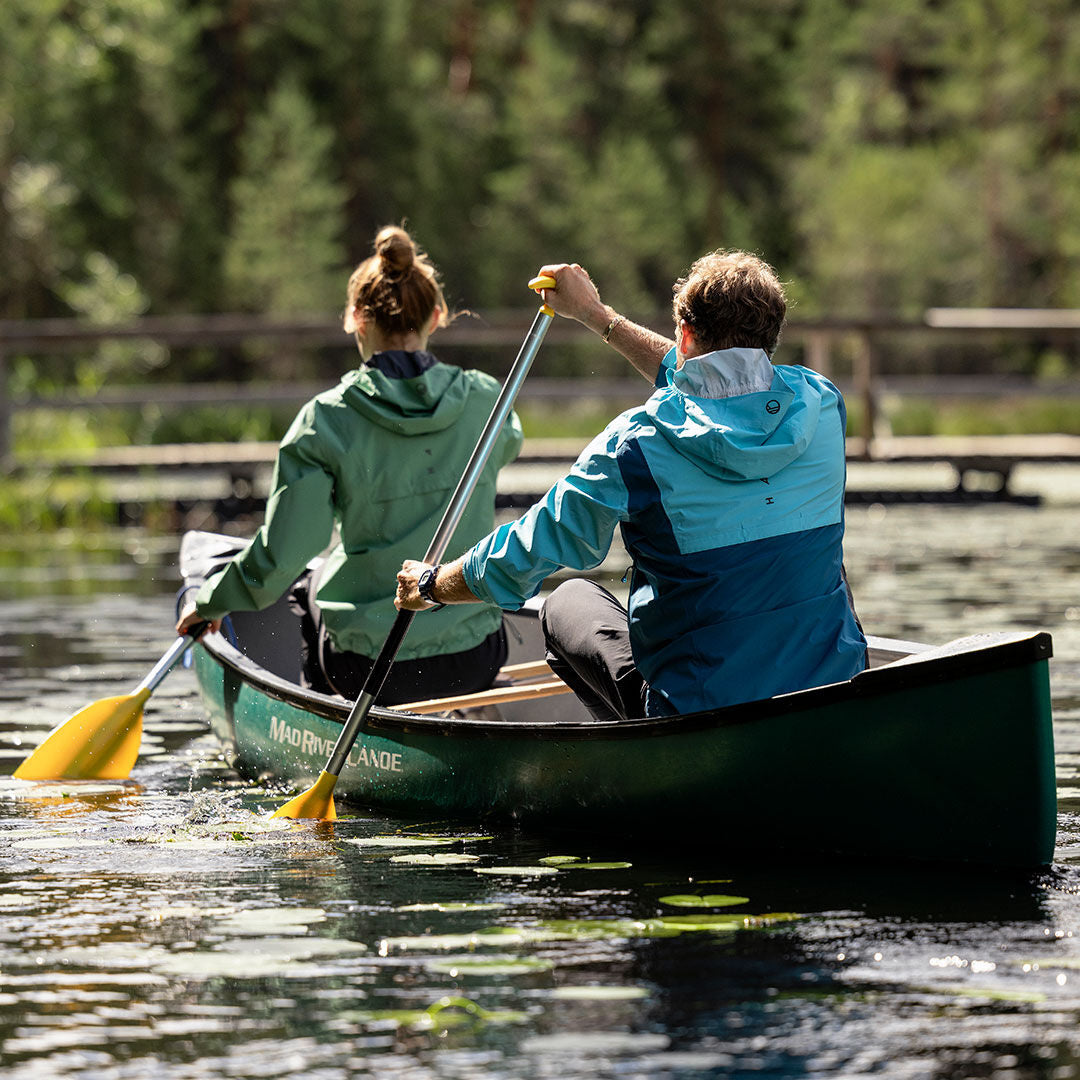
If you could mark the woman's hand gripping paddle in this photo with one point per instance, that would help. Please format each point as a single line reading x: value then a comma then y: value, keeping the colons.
x: 318, y: 800
x: 101, y: 741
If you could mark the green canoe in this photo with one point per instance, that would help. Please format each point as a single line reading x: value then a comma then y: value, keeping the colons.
x: 935, y: 753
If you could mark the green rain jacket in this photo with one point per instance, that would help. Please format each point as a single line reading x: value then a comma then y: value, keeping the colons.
x: 379, y: 456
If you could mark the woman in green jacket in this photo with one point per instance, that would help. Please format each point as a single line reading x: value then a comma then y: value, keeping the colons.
x: 377, y: 457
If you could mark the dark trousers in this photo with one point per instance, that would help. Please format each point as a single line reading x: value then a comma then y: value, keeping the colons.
x: 587, y: 637
x: 330, y: 671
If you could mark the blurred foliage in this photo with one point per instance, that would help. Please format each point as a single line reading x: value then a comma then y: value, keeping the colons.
x: 1029, y: 416
x: 886, y: 155
x: 283, y: 203
x: 940, y: 152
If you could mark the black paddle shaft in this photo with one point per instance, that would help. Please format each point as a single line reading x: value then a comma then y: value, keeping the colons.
x: 466, y: 485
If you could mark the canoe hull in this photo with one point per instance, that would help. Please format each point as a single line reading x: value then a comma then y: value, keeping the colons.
x: 948, y: 759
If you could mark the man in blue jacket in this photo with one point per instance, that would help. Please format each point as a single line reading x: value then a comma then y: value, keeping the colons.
x: 728, y: 486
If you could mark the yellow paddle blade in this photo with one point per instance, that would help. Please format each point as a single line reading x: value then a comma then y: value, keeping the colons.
x: 316, y: 802
x: 100, y: 742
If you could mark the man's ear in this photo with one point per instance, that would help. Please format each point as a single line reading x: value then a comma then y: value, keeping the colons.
x: 687, y: 341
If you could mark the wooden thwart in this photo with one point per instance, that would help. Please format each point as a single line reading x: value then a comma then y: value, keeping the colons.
x: 531, y: 670
x: 500, y: 695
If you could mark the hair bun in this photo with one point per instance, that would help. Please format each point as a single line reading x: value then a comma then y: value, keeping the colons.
x: 396, y: 249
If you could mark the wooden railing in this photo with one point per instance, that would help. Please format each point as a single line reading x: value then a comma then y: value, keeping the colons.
x: 822, y: 342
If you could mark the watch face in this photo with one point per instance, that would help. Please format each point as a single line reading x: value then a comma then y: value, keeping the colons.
x: 426, y: 583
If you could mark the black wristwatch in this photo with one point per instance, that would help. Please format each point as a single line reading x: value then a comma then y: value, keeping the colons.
x: 425, y: 586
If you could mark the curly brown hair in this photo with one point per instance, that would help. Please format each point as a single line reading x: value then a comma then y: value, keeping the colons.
x: 731, y: 299
x: 397, y: 286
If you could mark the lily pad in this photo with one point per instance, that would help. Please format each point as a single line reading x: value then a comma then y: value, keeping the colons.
x: 254, y: 958
x: 463, y: 837
x: 293, y: 947
x: 255, y: 823
x: 599, y: 993
x: 605, y: 929
x: 725, y: 922
x: 11, y: 788
x: 399, y: 841
x: 260, y: 921
x: 204, y: 843
x: 496, y: 935
x: 457, y: 1006
x: 516, y: 871
x: 113, y: 955
x: 447, y: 858
x: 665, y: 926
x: 58, y: 843
x: 186, y: 911
x: 469, y: 965
x: 710, y: 900
x: 596, y: 866
x: 559, y: 860
x: 448, y: 1012
x: 605, y: 1043
x: 451, y: 906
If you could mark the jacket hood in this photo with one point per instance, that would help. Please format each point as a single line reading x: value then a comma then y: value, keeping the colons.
x: 735, y: 415
x: 407, y: 393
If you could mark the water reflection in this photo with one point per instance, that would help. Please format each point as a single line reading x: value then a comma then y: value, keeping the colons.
x: 167, y: 928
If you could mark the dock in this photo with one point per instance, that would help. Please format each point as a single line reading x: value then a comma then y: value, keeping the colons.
x: 225, y: 480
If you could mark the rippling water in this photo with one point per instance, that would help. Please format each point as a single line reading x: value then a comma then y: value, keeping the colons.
x: 166, y: 928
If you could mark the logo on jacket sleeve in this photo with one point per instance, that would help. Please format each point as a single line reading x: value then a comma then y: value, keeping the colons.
x: 772, y: 406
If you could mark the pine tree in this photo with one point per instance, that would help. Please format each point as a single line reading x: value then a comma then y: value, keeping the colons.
x: 284, y: 253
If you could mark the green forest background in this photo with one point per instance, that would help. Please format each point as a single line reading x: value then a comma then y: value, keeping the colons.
x: 207, y: 155
x: 197, y: 156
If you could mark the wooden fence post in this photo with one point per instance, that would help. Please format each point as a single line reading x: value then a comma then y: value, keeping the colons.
x: 863, y: 377
x: 818, y: 353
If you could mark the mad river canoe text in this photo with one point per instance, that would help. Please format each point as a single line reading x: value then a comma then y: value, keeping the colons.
x: 307, y: 742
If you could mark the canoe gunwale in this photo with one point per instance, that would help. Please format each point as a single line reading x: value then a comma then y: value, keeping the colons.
x: 997, y: 652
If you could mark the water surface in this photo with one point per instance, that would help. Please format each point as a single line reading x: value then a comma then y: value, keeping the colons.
x: 166, y: 928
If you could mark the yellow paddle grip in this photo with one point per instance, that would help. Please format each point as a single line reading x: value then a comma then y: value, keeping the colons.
x: 543, y: 282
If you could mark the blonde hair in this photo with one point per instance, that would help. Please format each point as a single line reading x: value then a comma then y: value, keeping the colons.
x: 732, y: 299
x: 397, y: 286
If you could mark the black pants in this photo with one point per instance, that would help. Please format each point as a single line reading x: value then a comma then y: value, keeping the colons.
x: 330, y: 671
x: 587, y: 637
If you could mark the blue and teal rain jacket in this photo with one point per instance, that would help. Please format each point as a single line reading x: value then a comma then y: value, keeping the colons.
x: 728, y: 485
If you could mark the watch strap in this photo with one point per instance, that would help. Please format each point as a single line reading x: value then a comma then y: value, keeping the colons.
x: 426, y: 585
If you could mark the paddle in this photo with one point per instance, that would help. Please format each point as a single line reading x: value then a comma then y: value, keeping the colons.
x: 318, y: 800
x: 101, y: 741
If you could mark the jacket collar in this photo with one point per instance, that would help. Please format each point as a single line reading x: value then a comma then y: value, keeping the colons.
x: 398, y: 364
x: 725, y: 373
